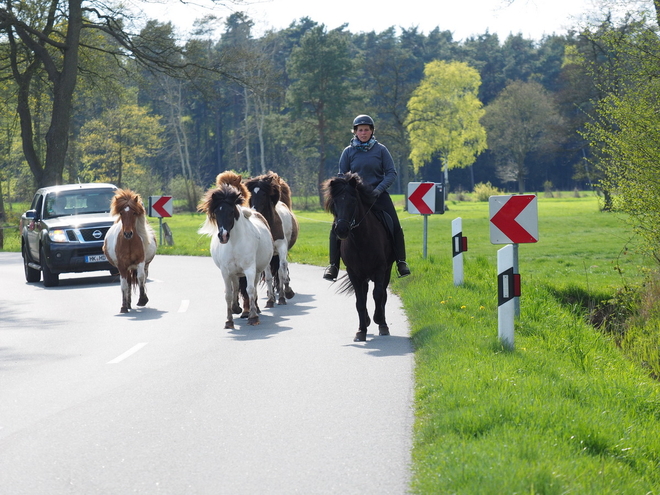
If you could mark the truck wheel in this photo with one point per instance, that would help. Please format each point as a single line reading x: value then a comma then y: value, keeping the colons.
x: 50, y: 279
x: 31, y: 275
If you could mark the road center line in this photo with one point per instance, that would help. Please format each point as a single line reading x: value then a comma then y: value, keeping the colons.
x: 128, y: 353
x: 184, y: 305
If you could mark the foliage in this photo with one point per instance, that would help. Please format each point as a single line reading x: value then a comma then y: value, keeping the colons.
x: 522, y: 119
x: 483, y: 192
x: 444, y: 113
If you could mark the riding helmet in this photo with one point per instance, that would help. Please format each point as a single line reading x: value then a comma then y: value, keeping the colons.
x: 363, y: 120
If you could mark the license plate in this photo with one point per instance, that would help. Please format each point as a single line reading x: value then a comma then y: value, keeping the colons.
x: 95, y: 258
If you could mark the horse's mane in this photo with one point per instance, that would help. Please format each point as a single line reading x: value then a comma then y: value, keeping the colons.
x: 224, y: 192
x: 124, y: 198
x: 236, y: 180
x: 279, y: 190
x: 333, y: 187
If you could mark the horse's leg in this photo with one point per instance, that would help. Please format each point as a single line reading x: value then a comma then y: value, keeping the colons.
x: 229, y: 299
x: 282, y: 270
x: 142, y: 282
x: 271, y: 270
x: 253, y: 280
x: 242, y: 289
x: 361, y: 294
x: 380, y: 299
x: 125, y: 292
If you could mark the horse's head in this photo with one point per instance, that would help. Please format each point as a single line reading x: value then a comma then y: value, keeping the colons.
x: 264, y: 191
x: 128, y: 206
x: 345, y: 197
x: 221, y: 205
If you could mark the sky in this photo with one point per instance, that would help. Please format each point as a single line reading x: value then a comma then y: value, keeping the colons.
x: 464, y: 18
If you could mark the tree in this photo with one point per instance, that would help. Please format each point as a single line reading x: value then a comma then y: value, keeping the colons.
x: 49, y: 37
x: 320, y: 93
x: 115, y: 145
x: 444, y: 113
x: 521, y: 120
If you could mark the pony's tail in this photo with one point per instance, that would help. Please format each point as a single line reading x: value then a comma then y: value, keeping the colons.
x: 133, y: 280
x: 345, y: 287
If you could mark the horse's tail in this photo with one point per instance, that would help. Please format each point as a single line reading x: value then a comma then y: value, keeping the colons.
x: 132, y: 279
x: 345, y: 286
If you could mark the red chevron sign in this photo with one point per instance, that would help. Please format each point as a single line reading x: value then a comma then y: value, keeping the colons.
x: 425, y: 198
x: 513, y: 219
x: 160, y: 206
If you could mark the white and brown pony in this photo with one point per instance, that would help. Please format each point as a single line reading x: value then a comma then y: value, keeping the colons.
x: 130, y: 245
x: 270, y: 195
x: 241, y: 245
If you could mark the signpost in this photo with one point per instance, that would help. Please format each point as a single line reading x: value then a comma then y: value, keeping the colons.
x: 458, y: 247
x: 160, y: 206
x: 513, y: 220
x: 425, y: 198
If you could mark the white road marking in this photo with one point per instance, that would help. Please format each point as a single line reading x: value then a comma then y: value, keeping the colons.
x: 128, y: 353
x: 184, y: 305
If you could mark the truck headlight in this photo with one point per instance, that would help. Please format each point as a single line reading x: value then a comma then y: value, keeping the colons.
x: 57, y: 235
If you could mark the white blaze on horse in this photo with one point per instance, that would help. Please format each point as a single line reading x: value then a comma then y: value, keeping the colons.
x: 130, y: 245
x: 241, y: 245
x: 271, y: 196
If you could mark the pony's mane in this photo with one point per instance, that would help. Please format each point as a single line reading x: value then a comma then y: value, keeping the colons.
x: 224, y: 192
x: 236, y: 180
x: 333, y: 187
x: 269, y: 182
x: 126, y: 198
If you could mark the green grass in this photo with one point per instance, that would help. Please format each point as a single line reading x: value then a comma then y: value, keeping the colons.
x: 565, y: 411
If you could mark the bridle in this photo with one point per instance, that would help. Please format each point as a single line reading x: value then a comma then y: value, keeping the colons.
x: 352, y: 224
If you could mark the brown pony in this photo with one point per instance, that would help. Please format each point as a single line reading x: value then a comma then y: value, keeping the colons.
x: 130, y: 245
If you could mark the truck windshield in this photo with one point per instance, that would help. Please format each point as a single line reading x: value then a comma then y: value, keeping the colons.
x: 78, y: 203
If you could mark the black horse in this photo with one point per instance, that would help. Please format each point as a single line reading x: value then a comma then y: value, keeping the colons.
x: 366, y: 246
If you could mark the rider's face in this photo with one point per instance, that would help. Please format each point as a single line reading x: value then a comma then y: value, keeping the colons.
x: 363, y: 133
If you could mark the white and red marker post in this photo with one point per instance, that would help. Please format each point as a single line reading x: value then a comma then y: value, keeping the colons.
x: 458, y: 246
x: 513, y: 220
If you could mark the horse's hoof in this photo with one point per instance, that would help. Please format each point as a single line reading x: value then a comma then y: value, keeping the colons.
x: 383, y: 330
x: 281, y: 301
x: 123, y: 310
x: 245, y: 314
x: 270, y: 304
x: 360, y: 337
x: 143, y: 302
x: 253, y: 321
x: 229, y: 325
x: 289, y: 293
x: 237, y: 310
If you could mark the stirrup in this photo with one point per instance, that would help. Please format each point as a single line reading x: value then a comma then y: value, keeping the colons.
x: 331, y: 273
x: 402, y: 268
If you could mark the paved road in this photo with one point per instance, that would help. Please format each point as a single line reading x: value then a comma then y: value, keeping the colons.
x: 165, y: 400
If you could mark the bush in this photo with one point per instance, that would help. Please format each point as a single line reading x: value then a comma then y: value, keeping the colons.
x: 484, y: 191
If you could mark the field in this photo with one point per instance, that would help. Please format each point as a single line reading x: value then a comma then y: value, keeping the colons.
x: 571, y: 409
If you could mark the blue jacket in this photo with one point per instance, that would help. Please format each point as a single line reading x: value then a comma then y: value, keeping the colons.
x: 375, y: 166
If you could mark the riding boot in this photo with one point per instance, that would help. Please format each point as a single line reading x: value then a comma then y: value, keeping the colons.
x: 400, y: 253
x: 332, y: 271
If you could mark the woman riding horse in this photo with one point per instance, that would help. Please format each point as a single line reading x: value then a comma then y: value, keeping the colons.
x: 373, y: 163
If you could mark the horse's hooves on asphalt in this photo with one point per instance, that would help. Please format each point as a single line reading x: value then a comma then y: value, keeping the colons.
x: 229, y: 325
x: 237, y: 310
x: 253, y: 321
x: 383, y: 330
x: 289, y: 293
x: 281, y: 301
x: 270, y: 304
x: 245, y: 314
x: 123, y: 310
x: 143, y: 302
x: 360, y: 337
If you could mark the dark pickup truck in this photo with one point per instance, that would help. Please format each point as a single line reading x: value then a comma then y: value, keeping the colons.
x: 64, y: 229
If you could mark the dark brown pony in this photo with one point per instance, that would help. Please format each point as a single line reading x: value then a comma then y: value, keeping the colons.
x: 366, y: 248
x: 270, y: 195
x: 130, y: 245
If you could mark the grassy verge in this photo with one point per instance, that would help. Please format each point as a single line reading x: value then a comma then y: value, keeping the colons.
x: 566, y: 411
